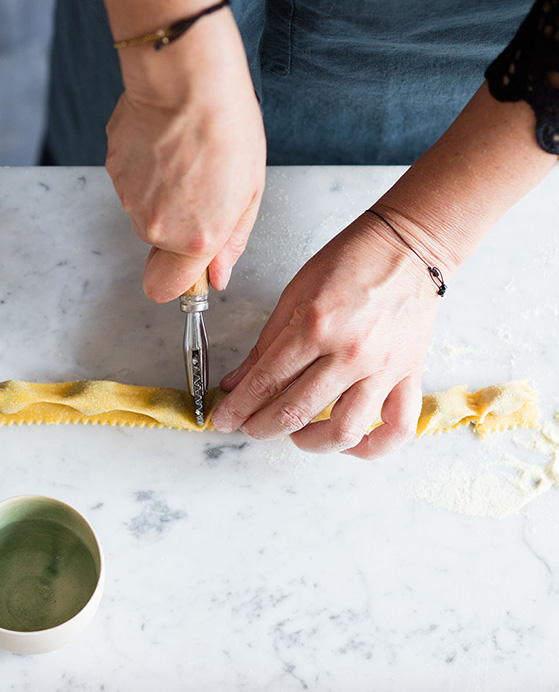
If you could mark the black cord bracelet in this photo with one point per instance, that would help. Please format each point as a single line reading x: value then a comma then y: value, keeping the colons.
x: 163, y: 37
x: 435, y: 273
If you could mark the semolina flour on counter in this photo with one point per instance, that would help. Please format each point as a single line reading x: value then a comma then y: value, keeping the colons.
x: 496, y: 489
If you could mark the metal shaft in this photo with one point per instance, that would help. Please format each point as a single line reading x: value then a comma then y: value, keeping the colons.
x: 196, y: 350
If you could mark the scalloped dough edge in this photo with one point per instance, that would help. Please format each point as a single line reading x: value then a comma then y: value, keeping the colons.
x: 100, y: 402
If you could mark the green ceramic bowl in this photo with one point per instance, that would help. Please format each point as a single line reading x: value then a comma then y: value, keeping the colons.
x: 51, y: 574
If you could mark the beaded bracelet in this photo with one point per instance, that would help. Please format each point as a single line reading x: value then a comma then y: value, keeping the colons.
x: 163, y: 37
x: 435, y: 273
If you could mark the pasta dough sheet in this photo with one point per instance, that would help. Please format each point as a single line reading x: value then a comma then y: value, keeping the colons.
x: 498, y: 407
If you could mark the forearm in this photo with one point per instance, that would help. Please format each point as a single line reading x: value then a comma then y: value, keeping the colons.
x: 186, y: 148
x: 455, y: 193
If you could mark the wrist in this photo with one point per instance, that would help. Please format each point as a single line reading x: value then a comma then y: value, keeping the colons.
x: 435, y: 273
x: 451, y: 198
x: 435, y: 240
x: 203, y: 64
x: 131, y: 18
x: 387, y: 257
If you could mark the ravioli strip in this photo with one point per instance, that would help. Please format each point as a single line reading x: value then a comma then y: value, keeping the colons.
x: 507, y: 405
x: 497, y: 407
x: 101, y: 402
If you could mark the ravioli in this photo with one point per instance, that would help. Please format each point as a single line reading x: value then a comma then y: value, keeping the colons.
x: 497, y: 407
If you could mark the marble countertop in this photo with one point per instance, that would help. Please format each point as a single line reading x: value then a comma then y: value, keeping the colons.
x: 234, y: 565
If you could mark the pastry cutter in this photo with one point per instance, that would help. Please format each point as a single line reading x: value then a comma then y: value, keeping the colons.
x: 194, y: 302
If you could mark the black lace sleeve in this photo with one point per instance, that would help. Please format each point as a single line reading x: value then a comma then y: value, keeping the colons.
x: 528, y: 70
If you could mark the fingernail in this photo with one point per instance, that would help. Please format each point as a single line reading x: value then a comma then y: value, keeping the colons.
x: 220, y: 423
x: 231, y: 375
x: 222, y: 427
x: 225, y: 278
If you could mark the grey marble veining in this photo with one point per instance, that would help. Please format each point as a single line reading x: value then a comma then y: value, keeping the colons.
x: 234, y: 565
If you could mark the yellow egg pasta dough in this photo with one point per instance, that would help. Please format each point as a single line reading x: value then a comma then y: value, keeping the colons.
x: 498, y: 407
x: 101, y: 402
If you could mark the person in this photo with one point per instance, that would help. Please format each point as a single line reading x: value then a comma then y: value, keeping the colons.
x: 349, y: 82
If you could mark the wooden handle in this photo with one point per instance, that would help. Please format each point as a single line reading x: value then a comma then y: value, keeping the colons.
x: 200, y: 288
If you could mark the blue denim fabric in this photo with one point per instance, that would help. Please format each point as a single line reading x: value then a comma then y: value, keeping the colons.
x: 374, y: 81
x: 348, y: 82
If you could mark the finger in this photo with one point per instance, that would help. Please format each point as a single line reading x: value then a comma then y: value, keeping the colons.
x: 272, y: 329
x: 178, y: 224
x: 168, y: 275
x: 400, y: 414
x: 280, y: 365
x: 222, y: 264
x: 351, y: 416
x: 317, y: 387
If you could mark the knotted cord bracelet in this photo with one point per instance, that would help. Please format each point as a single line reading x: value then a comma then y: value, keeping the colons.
x: 163, y: 37
x: 435, y: 273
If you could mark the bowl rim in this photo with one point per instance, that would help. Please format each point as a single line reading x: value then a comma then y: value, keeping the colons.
x: 92, y: 602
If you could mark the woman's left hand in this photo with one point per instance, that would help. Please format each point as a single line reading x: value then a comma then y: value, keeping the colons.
x: 354, y: 326
x: 356, y: 321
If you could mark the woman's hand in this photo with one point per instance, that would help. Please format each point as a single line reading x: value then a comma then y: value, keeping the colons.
x: 354, y: 323
x: 356, y: 320
x: 186, y: 152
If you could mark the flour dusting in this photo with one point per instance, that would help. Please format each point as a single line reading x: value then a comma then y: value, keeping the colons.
x: 496, y: 489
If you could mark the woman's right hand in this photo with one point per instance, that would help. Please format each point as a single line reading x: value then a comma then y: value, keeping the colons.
x: 187, y: 154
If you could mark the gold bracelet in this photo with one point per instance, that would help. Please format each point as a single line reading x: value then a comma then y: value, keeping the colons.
x: 163, y: 37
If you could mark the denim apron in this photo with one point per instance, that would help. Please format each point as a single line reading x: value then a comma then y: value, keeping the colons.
x: 347, y: 82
